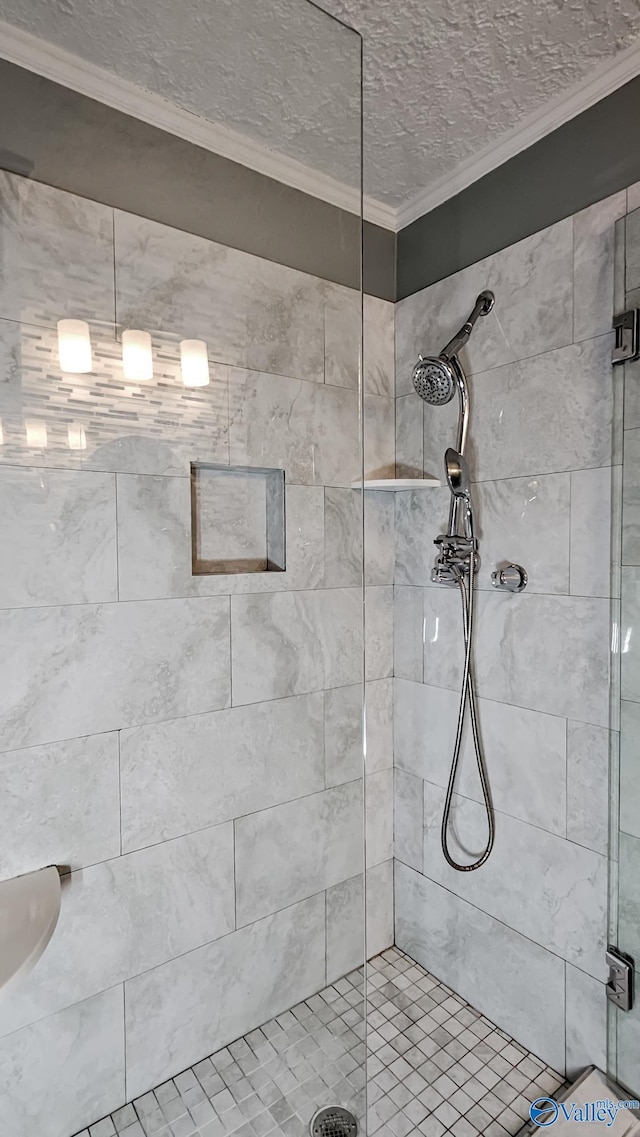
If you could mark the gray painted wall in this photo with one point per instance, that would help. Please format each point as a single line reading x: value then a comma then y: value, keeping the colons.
x: 64, y: 139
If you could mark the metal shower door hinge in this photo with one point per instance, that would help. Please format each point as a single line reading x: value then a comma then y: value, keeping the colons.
x: 620, y: 982
x: 627, y: 329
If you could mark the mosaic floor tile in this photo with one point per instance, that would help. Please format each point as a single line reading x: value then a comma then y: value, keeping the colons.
x: 435, y: 1066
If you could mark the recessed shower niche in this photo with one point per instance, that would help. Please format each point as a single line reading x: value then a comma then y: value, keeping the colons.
x: 237, y: 519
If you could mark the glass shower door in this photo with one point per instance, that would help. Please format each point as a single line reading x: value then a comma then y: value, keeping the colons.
x: 624, y: 1024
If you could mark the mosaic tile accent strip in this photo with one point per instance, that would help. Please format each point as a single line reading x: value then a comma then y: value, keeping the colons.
x: 435, y: 1066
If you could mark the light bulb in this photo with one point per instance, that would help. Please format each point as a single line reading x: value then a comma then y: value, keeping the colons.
x: 137, y: 358
x: 36, y: 434
x: 74, y: 346
x: 76, y: 436
x: 194, y: 363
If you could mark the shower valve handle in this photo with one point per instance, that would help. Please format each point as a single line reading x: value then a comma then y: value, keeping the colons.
x: 511, y: 578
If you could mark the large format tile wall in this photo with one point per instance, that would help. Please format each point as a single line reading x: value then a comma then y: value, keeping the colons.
x: 188, y: 748
x: 523, y: 938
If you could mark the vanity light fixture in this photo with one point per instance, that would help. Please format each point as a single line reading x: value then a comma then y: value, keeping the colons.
x: 36, y: 433
x: 76, y: 436
x: 74, y: 346
x: 137, y: 357
x: 194, y: 363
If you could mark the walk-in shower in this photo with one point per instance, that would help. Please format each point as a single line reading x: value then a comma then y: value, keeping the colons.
x: 436, y: 379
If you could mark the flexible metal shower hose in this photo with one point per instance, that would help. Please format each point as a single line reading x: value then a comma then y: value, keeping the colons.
x: 467, y: 696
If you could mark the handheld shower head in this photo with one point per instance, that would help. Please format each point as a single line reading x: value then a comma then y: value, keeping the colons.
x: 457, y: 472
x: 459, y: 482
x: 433, y: 380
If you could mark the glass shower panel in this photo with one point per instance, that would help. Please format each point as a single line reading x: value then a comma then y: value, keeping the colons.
x: 182, y: 517
x: 623, y: 1024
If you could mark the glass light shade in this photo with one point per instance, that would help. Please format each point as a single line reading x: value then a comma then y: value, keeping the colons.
x: 137, y: 357
x: 74, y: 346
x: 194, y: 363
x: 36, y: 434
x: 76, y: 436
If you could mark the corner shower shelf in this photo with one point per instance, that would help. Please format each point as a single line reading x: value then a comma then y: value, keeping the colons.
x: 397, y: 484
x: 29, y: 910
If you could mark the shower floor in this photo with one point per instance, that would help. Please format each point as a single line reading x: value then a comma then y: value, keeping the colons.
x: 435, y: 1066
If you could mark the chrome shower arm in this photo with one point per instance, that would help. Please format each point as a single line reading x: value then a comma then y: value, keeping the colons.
x: 482, y: 307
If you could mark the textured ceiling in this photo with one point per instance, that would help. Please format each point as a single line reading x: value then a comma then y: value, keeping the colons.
x: 445, y: 78
x: 442, y: 80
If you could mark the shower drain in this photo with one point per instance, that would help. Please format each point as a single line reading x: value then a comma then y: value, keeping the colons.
x: 333, y: 1121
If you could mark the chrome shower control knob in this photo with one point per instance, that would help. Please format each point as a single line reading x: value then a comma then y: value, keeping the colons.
x: 511, y: 578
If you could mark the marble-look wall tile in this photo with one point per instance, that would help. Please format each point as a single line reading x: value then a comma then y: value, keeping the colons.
x: 484, y: 962
x: 86, y: 669
x: 633, y: 197
x: 59, y: 530
x: 289, y: 643
x: 410, y: 439
x: 186, y: 285
x: 343, y: 537
x: 346, y: 926
x: 60, y: 804
x: 557, y: 898
x: 379, y: 700
x: 409, y: 819
x: 548, y: 414
x: 379, y: 437
x: 65, y: 1072
x: 379, y: 537
x: 285, y: 318
x: 631, y: 498
x: 155, y: 550
x: 630, y: 768
x: 632, y: 279
x: 122, y: 917
x: 591, y: 518
x: 345, y: 920
x: 379, y: 632
x: 343, y: 742
x: 379, y: 817
x: 630, y: 634
x: 586, y: 1022
x: 185, y: 775
x: 57, y: 254
x: 175, y: 1014
x: 342, y: 335
x: 525, y: 752
x: 565, y: 635
x: 379, y: 346
x: 308, y: 429
x: 588, y: 785
x: 533, y: 284
x: 408, y: 633
x: 593, y: 265
x: 324, y: 845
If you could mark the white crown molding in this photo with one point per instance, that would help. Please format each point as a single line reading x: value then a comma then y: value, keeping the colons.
x: 606, y: 79
x: 26, y: 50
